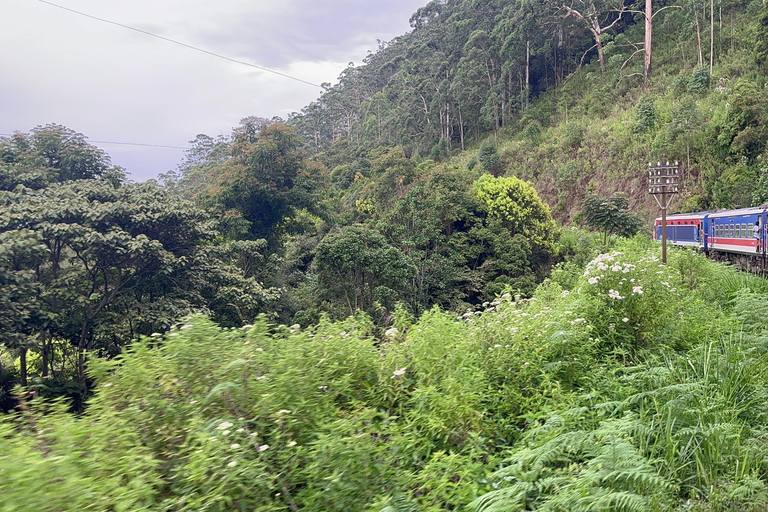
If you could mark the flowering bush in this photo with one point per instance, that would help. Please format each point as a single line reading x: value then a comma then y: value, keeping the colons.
x: 636, y: 291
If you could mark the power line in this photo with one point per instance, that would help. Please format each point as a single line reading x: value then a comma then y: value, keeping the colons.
x: 181, y: 44
x: 138, y: 144
x: 121, y: 143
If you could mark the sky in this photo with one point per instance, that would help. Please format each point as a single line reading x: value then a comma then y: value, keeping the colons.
x: 117, y: 85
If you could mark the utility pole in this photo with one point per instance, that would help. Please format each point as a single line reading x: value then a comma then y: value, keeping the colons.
x: 662, y: 185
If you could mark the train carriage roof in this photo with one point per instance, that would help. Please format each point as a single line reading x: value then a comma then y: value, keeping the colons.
x: 741, y: 212
x: 684, y: 216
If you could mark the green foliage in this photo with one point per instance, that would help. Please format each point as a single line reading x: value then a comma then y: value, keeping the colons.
x: 357, y: 268
x: 645, y: 115
x: 262, y: 180
x: 489, y: 157
x: 439, y: 151
x: 549, y: 403
x: 517, y: 205
x: 611, y: 215
x: 49, y: 154
x: 97, y: 266
x: 760, y: 194
x: 699, y: 80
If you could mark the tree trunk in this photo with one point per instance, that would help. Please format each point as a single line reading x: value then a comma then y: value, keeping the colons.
x: 599, y: 45
x: 461, y: 127
x: 711, y: 35
x: 23, y: 366
x: 648, y: 36
x: 527, y: 71
x: 698, y: 38
x: 44, y: 352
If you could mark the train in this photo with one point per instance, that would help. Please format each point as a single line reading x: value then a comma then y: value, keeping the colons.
x: 737, y: 236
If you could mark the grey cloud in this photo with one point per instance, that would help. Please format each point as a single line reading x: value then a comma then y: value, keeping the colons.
x: 312, y: 30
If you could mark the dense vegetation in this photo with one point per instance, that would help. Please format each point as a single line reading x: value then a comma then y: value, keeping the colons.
x: 451, y: 344
x: 624, y: 385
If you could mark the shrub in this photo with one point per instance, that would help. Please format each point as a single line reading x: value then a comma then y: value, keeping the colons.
x: 699, y: 80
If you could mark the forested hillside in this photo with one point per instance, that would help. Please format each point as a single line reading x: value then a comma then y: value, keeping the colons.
x: 449, y: 232
x: 556, y: 95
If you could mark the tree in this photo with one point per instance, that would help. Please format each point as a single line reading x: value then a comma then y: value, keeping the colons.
x: 611, y: 215
x: 593, y: 14
x: 262, y: 182
x: 49, y: 154
x: 519, y: 207
x: 357, y: 267
x: 108, y: 264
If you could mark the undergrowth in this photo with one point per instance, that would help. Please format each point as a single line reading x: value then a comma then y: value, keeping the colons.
x: 623, y: 384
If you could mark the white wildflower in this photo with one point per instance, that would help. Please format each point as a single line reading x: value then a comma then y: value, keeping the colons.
x: 232, y: 464
x: 614, y: 294
x: 240, y: 430
x: 637, y: 289
x: 292, y: 443
x: 224, y: 425
x: 234, y: 446
x: 625, y: 319
x: 185, y: 326
x: 398, y: 373
x: 263, y: 448
x: 225, y: 432
x: 592, y: 280
x: 284, y: 411
x: 391, y: 332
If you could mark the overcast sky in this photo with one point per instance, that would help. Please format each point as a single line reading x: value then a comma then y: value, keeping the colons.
x: 114, y: 84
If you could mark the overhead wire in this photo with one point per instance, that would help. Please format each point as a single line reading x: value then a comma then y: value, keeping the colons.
x: 185, y: 45
x: 121, y: 143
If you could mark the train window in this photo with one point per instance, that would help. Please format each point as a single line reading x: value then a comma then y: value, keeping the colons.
x: 744, y: 232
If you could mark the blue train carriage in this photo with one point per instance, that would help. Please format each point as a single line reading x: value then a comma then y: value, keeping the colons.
x: 733, y: 231
x: 686, y: 229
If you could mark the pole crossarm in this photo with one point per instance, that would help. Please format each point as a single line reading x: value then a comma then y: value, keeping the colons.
x: 663, y: 183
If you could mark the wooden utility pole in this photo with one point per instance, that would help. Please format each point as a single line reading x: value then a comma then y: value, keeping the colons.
x: 663, y: 184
